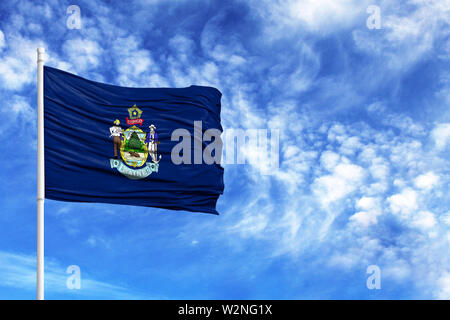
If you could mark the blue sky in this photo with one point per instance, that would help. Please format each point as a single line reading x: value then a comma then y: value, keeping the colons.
x: 363, y: 116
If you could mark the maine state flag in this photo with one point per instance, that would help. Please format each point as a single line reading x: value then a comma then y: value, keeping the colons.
x: 155, y: 147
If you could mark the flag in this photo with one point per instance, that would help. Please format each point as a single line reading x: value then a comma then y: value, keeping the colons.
x: 132, y: 146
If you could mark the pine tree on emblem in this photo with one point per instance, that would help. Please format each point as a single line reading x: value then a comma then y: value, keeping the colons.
x: 134, y: 142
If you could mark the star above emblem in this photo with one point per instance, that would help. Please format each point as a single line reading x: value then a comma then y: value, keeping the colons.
x: 134, y: 112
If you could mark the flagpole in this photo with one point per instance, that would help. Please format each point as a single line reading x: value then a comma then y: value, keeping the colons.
x: 40, y: 175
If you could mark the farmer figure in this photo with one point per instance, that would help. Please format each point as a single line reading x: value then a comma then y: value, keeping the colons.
x: 116, y: 131
x: 152, y: 142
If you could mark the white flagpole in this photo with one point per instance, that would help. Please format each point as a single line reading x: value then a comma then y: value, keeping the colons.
x: 40, y: 175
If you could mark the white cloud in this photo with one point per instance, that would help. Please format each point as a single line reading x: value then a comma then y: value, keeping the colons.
x: 367, y: 203
x: 397, y: 269
x: 13, y: 73
x: 441, y: 135
x: 364, y: 218
x: 403, y: 203
x: 346, y: 178
x: 329, y: 160
x: 446, y: 218
x: 21, y: 108
x: 370, y: 209
x: 95, y: 241
x: 407, y: 154
x: 350, y: 146
x: 18, y: 62
x: 409, y: 31
x: 183, y: 47
x: 251, y: 225
x: 315, y: 15
x: 20, y: 116
x: 367, y: 154
x: 19, y: 271
x: 424, y: 220
x: 2, y: 40
x: 395, y: 120
x: 135, y: 65
x: 444, y: 286
x: 379, y: 169
x: 426, y: 181
x: 337, y: 133
x: 322, y: 14
x: 84, y: 54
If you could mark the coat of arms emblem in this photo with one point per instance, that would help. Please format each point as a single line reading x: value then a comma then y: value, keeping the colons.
x: 138, y: 150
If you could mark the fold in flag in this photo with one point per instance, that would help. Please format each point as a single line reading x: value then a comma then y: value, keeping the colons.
x: 112, y: 144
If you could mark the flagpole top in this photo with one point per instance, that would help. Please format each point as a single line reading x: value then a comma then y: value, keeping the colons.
x: 40, y: 54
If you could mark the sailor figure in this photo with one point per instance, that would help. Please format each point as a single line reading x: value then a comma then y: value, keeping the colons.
x: 152, y: 142
x: 116, y: 131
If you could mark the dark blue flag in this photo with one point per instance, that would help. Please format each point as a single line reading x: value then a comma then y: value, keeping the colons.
x: 111, y: 144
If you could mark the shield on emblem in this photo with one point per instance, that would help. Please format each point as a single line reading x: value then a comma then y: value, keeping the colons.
x: 133, y: 150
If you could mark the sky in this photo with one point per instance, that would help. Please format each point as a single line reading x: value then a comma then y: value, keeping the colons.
x: 364, y: 136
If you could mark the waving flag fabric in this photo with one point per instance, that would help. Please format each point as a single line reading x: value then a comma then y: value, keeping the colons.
x: 112, y: 144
